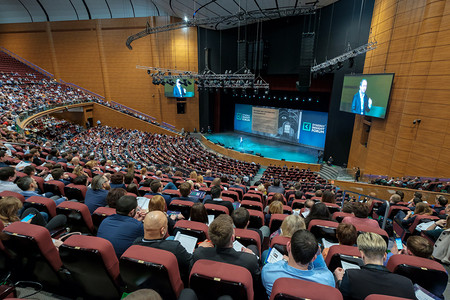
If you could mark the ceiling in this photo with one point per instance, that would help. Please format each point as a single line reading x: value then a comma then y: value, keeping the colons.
x: 23, y: 11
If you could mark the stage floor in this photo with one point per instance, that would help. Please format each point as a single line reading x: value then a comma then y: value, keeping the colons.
x: 267, y: 148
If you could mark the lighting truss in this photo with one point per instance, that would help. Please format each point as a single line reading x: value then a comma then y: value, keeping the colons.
x: 347, y: 55
x: 215, y: 22
x: 241, y: 79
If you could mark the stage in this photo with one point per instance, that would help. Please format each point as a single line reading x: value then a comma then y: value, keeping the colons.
x: 267, y: 148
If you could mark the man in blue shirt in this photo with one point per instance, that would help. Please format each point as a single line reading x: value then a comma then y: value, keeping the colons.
x: 304, y: 262
x: 157, y: 188
x: 122, y: 228
x: 96, y: 195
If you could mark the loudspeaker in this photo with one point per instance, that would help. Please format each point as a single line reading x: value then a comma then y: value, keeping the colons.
x: 181, y: 108
x: 306, y: 60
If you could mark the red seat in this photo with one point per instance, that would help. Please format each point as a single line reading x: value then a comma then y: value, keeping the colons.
x: 275, y: 221
x: 256, y: 219
x: 43, y: 204
x: 383, y: 297
x: 287, y: 210
x: 172, y: 193
x: 333, y: 207
x: 182, y: 206
x: 338, y: 253
x: 280, y: 243
x: 54, y: 186
x: 40, y: 182
x: 216, y: 209
x: 298, y: 203
x: 252, y: 205
x: 420, y: 219
x: 252, y: 197
x: 324, y: 229
x: 78, y: 216
x: 293, y: 289
x: 93, y: 264
x: 39, y: 259
x: 144, y: 190
x: 75, y: 191
x: 229, y: 199
x: 248, y: 237
x: 427, y: 273
x: 12, y: 194
x: 339, y: 216
x: 231, y: 194
x: 239, y: 191
x: 100, y: 214
x: 192, y: 228
x: 150, y: 268
x: 211, y: 279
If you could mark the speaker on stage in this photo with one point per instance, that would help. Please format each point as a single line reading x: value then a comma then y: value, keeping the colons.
x: 181, y: 108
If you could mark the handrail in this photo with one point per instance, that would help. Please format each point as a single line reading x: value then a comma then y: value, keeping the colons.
x: 133, y: 110
x: 26, y: 62
x: 386, y: 213
x: 81, y: 88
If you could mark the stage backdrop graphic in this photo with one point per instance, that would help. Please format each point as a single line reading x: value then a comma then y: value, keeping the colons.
x: 305, y: 127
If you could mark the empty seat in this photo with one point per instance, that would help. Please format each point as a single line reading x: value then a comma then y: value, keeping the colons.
x: 427, y: 273
x: 275, y: 221
x: 93, y: 265
x: 35, y: 254
x: 12, y: 194
x: 192, y: 228
x: 293, y: 289
x: 252, y: 197
x: 231, y: 194
x: 211, y: 279
x: 78, y: 216
x: 150, y: 268
x: 287, y: 210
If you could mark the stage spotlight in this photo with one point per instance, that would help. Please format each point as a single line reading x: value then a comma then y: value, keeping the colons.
x: 163, y: 82
x: 351, y: 61
x: 148, y: 72
x: 339, y: 65
x: 266, y: 92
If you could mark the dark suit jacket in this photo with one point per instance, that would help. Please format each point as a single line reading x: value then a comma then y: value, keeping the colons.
x: 166, y: 197
x: 356, y: 104
x: 189, y: 198
x: 275, y: 189
x: 227, y: 204
x: 375, y: 279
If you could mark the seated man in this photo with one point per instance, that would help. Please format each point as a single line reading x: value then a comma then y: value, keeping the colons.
x: 216, y: 195
x: 122, y: 229
x: 185, y: 190
x: 7, y: 177
x: 157, y: 188
x: 155, y: 229
x: 221, y: 233
x: 96, y: 194
x: 58, y: 174
x: 373, y: 277
x: 304, y: 262
x: 415, y: 246
x: 241, y: 219
x: 28, y: 186
x: 395, y: 198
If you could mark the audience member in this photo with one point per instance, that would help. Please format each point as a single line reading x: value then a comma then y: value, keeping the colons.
x: 7, y: 177
x: 361, y: 212
x: 346, y: 235
x: 198, y: 213
x: 216, y: 194
x: 319, y: 211
x: 96, y: 194
x: 113, y: 196
x: 276, y: 187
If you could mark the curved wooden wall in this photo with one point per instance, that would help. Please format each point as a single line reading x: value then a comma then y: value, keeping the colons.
x: 257, y: 159
x: 413, y: 42
x: 93, y: 55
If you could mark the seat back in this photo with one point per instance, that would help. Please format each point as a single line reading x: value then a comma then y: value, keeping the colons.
x: 420, y: 219
x: 280, y: 243
x: 256, y: 219
x: 54, y: 186
x: 43, y: 204
x: 100, y: 214
x: 78, y: 216
x: 93, y: 265
x: 293, y: 289
x: 298, y: 204
x: 339, y: 216
x: 287, y: 210
x: 75, y: 192
x: 211, y: 279
x: 323, y: 229
x: 332, y: 208
x: 216, y: 209
x: 192, y: 228
x: 248, y: 237
x: 13, y: 194
x: 338, y: 253
x: 36, y: 256
x: 182, y: 206
x: 275, y: 221
x: 252, y: 197
x: 427, y: 273
x: 231, y: 194
x: 250, y: 204
x: 150, y: 268
x: 383, y: 297
x: 239, y: 192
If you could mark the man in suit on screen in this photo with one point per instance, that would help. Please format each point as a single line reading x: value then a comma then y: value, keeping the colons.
x: 361, y: 102
x: 178, y: 90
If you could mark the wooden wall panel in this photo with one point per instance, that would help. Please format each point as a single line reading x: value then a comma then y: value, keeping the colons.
x: 417, y: 52
x: 92, y: 54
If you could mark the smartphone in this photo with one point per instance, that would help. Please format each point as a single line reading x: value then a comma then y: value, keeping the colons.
x: 28, y: 218
x: 399, y: 243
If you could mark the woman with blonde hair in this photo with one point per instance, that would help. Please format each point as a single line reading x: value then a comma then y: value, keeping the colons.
x: 421, y: 209
x: 79, y: 171
x: 200, y: 179
x: 193, y: 175
x: 276, y: 207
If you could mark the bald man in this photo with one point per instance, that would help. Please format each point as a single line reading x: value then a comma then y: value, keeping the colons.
x: 155, y: 229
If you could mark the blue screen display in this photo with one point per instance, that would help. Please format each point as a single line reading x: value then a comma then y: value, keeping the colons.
x: 243, y: 118
x: 313, y: 128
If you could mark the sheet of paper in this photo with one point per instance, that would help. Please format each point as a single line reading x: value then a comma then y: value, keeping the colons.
x: 347, y: 265
x: 143, y: 202
x: 422, y: 294
x: 237, y: 246
x: 187, y: 241
x: 274, y: 256
x: 327, y: 244
x: 210, y: 219
x: 424, y: 226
